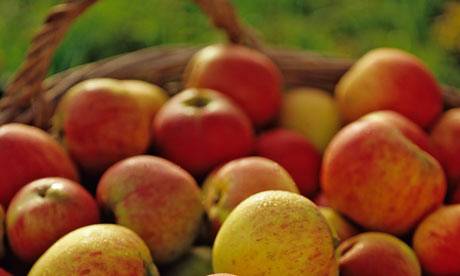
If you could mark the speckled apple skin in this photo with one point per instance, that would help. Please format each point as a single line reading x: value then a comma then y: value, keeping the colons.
x: 275, y: 233
x: 436, y: 241
x: 157, y: 199
x: 388, y: 78
x: 97, y: 250
x: 377, y: 177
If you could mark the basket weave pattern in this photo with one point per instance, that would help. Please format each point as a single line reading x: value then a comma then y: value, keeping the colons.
x: 31, y: 99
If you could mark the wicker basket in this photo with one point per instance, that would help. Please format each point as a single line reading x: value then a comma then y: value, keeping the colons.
x: 31, y: 99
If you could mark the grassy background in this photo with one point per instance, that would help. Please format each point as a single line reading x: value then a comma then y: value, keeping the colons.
x: 428, y: 28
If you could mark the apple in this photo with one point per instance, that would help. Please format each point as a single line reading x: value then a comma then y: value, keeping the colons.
x: 200, y: 128
x: 312, y: 112
x: 230, y: 184
x: 320, y: 199
x: 410, y: 129
x: 43, y: 211
x: 101, y: 121
x: 388, y: 78
x: 446, y: 136
x: 436, y: 241
x: 4, y: 272
x: 28, y: 153
x: 222, y: 274
x: 2, y: 231
x: 377, y: 254
x: 275, y: 233
x: 342, y: 228
x: 294, y: 153
x: 378, y: 178
x: 196, y: 262
x: 157, y: 199
x: 98, y: 249
x: 245, y: 75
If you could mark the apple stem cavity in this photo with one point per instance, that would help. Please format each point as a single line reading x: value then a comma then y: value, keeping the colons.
x: 200, y: 101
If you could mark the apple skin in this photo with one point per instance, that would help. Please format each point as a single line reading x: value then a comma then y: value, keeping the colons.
x: 198, y: 129
x: 245, y: 75
x: 342, y: 227
x: 222, y: 274
x: 2, y: 231
x: 446, y: 135
x: 436, y: 241
x: 379, y: 179
x: 230, y: 184
x: 314, y: 113
x: 43, y: 211
x: 101, y: 121
x: 377, y: 254
x: 157, y: 199
x: 410, y: 129
x: 97, y: 250
x: 4, y: 272
x: 275, y: 233
x: 28, y: 153
x: 389, y: 79
x: 294, y: 153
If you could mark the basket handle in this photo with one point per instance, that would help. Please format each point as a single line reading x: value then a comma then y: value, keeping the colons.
x: 25, y: 89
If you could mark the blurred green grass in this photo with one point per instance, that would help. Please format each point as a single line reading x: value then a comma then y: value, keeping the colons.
x: 346, y: 28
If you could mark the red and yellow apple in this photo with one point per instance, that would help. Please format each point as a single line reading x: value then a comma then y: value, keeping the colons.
x: 45, y: 210
x: 341, y: 227
x: 378, y: 178
x: 446, y: 137
x: 28, y: 153
x: 294, y: 153
x: 200, y: 128
x: 377, y: 254
x: 101, y: 121
x: 312, y: 112
x: 387, y: 78
x: 436, y: 241
x: 245, y: 75
x: 157, y: 199
x: 98, y: 249
x: 275, y: 233
x: 410, y: 129
x: 230, y: 184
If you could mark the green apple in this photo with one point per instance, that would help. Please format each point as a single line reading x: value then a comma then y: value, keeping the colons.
x: 196, y: 262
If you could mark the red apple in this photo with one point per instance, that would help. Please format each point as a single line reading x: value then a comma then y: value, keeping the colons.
x: 200, y: 128
x: 294, y: 153
x: 377, y: 254
x: 45, y: 210
x: 436, y: 241
x: 155, y: 198
x: 233, y: 182
x: 2, y: 231
x: 446, y: 137
x: 4, y: 272
x: 392, y: 79
x: 410, y: 129
x: 247, y: 76
x: 26, y: 154
x: 102, y: 121
x: 378, y: 178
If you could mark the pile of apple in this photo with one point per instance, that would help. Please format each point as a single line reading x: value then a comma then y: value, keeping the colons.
x: 233, y: 176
